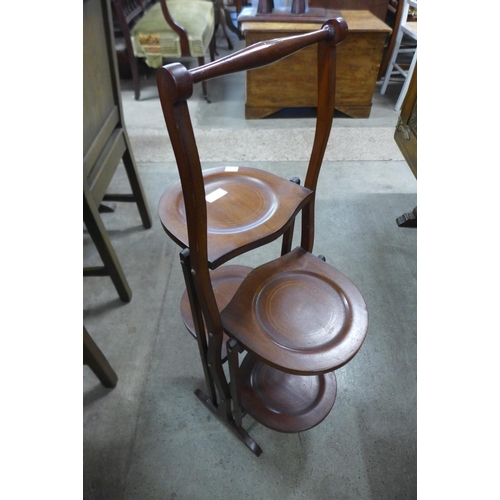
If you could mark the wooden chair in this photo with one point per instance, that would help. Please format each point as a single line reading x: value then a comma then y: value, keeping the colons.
x: 406, y: 30
x: 223, y: 18
x: 126, y: 14
x: 168, y: 28
x: 392, y: 19
x: 297, y: 318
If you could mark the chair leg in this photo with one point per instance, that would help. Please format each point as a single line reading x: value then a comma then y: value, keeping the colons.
x: 406, y: 83
x: 97, y: 362
x: 231, y: 26
x: 136, y: 184
x: 136, y: 80
x: 201, y: 61
x: 100, y: 237
x: 390, y: 66
x: 211, y: 49
x: 223, y: 23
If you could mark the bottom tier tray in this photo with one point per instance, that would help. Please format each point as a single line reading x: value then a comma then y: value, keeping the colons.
x: 282, y: 401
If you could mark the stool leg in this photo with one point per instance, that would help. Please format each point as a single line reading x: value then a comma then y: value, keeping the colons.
x: 97, y: 362
x: 136, y: 184
x: 201, y: 61
x: 100, y: 237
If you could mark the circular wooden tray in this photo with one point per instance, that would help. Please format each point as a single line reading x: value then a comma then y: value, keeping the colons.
x: 282, y: 401
x: 298, y: 314
x: 245, y: 206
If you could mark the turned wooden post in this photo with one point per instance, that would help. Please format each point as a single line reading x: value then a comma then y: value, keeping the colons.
x: 298, y: 6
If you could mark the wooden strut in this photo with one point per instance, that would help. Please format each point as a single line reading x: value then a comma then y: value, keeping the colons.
x: 286, y: 244
x: 219, y: 406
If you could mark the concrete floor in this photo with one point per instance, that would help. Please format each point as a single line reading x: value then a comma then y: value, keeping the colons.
x: 150, y: 437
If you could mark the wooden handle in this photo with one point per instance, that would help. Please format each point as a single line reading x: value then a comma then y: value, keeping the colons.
x: 258, y: 54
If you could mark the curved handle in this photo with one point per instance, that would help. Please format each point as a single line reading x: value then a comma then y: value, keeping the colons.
x: 263, y: 53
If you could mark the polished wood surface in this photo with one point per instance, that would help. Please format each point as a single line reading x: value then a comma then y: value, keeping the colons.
x: 299, y: 314
x: 297, y: 318
x: 358, y: 60
x: 257, y: 208
x: 309, y: 398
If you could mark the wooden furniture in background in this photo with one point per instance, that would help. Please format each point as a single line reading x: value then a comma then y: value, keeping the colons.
x: 292, y: 82
x: 174, y: 28
x: 376, y: 7
x: 105, y: 140
x: 406, y: 139
x: 296, y: 318
x: 393, y: 19
x: 405, y: 31
x: 126, y: 14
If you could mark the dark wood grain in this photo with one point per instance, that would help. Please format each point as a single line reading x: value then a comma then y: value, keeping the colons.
x: 258, y: 208
x: 284, y: 402
x: 299, y: 314
x: 297, y: 318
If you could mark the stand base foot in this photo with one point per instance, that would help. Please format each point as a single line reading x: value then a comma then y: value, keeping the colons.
x: 239, y: 432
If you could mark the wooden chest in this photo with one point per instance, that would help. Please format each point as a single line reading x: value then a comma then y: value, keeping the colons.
x: 292, y: 82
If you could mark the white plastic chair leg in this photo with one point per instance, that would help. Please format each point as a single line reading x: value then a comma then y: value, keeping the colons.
x: 392, y: 61
x: 406, y: 84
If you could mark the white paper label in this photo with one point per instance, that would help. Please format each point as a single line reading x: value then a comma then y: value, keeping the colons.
x: 218, y: 193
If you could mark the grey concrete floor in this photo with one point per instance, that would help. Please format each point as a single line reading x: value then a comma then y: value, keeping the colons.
x: 150, y: 437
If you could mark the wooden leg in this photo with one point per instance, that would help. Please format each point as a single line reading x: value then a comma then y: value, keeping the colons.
x: 219, y: 401
x: 201, y: 61
x: 231, y: 26
x: 136, y: 80
x: 223, y: 23
x: 97, y: 362
x: 211, y: 48
x: 135, y: 183
x: 100, y: 237
x: 233, y: 349
x: 286, y: 244
x: 199, y: 327
x: 239, y: 432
